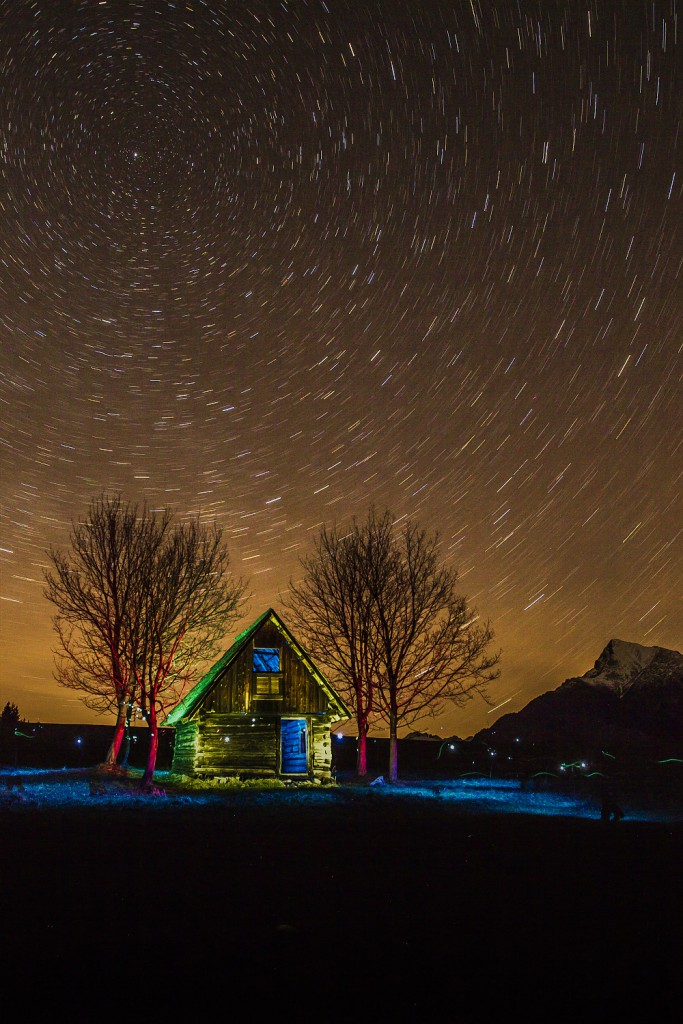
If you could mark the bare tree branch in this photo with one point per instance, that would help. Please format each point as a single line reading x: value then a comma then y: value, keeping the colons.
x: 141, y: 603
x: 385, y: 619
x: 432, y: 650
x: 332, y: 610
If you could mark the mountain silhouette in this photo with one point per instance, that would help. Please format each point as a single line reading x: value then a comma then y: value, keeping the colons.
x: 629, y: 704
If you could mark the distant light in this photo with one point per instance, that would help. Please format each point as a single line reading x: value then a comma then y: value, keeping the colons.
x: 78, y: 739
x: 451, y: 746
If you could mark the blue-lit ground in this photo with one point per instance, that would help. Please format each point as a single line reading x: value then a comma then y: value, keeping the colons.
x: 545, y: 794
x: 418, y: 902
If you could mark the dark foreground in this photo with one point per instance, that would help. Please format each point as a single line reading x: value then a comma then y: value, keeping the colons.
x: 352, y: 905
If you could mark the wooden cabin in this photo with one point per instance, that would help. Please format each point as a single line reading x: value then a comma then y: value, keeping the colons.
x: 263, y: 710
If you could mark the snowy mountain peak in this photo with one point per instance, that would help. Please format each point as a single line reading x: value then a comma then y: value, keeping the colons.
x: 630, y: 703
x: 621, y: 663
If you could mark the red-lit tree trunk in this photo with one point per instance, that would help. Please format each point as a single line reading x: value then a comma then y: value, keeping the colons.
x: 150, y: 767
x: 393, y: 747
x: 363, y: 689
x: 117, y: 739
x: 362, y: 753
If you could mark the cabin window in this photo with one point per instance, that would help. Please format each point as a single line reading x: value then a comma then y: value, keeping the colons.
x: 266, y: 659
x: 269, y: 687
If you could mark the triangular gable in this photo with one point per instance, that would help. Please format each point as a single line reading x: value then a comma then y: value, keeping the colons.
x: 335, y: 700
x: 192, y: 699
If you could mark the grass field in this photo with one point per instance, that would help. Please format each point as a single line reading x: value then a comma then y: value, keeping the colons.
x: 427, y: 901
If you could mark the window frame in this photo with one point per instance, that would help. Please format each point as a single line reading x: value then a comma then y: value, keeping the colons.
x: 272, y: 683
x: 269, y: 654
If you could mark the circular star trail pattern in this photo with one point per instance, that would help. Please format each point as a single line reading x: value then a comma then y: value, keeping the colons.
x: 271, y: 262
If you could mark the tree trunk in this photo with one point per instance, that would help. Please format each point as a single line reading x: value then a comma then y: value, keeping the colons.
x: 126, y: 744
x: 148, y: 777
x: 393, y: 748
x: 362, y: 753
x: 119, y: 729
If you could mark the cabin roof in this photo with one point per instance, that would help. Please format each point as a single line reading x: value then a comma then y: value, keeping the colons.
x: 196, y: 695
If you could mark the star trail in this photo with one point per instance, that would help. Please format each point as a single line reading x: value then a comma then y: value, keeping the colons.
x: 270, y: 262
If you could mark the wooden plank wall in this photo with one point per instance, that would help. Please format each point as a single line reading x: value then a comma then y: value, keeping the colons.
x: 251, y: 749
x: 238, y: 745
x: 232, y: 693
x: 185, y: 748
x: 321, y: 742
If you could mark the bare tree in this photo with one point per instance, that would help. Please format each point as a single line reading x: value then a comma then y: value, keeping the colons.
x: 332, y: 609
x: 95, y: 588
x: 141, y: 603
x: 386, y: 620
x: 431, y: 648
x: 188, y: 604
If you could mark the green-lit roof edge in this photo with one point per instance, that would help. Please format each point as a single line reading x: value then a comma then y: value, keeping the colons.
x: 200, y: 688
x: 191, y: 699
x: 335, y: 698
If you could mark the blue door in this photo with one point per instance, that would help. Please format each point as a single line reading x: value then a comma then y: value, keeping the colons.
x: 294, y: 746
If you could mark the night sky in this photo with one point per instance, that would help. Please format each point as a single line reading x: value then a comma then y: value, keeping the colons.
x: 274, y: 261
